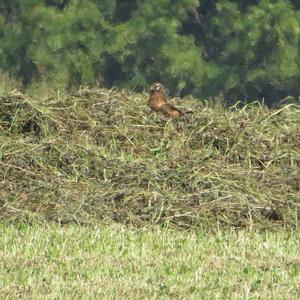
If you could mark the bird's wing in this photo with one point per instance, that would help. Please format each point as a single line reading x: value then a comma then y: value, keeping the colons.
x: 170, y: 110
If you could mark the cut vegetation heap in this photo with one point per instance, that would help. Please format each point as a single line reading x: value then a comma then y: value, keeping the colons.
x: 101, y: 155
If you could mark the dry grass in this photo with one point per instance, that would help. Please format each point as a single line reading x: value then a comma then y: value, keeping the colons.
x: 101, y: 155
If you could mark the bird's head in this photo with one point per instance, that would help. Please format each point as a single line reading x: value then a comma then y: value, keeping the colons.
x: 156, y: 87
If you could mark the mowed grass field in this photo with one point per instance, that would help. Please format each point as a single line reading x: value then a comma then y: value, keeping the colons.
x: 101, y: 155
x: 102, y: 199
x: 118, y: 262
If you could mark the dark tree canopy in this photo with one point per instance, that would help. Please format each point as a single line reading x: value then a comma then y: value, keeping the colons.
x: 245, y: 50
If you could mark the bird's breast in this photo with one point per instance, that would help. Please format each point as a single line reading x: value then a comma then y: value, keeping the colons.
x: 156, y: 100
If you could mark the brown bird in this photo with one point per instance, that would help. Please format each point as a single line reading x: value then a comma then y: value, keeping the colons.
x: 158, y: 101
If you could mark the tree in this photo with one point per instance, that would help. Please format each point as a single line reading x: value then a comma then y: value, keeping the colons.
x: 149, y: 47
x: 243, y: 49
x: 252, y: 45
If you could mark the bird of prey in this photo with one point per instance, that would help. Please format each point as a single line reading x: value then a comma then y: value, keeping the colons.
x: 158, y: 102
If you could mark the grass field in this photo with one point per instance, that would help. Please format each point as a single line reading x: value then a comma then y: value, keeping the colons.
x: 117, y: 262
x: 200, y: 207
x: 101, y: 155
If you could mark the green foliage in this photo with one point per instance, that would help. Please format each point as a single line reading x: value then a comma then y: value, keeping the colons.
x: 147, y: 47
x: 254, y: 47
x: 243, y: 49
x: 66, y: 44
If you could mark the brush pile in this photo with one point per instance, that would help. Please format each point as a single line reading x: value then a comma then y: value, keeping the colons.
x: 101, y: 155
